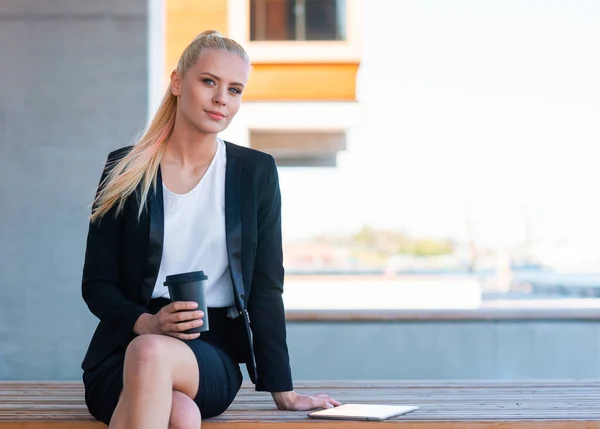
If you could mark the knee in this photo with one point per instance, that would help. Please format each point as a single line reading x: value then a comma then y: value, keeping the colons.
x: 144, y: 352
x: 184, y: 412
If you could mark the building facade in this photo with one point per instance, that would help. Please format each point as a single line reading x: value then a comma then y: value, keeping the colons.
x: 300, y: 104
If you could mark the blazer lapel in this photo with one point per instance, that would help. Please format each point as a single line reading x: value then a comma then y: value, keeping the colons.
x: 155, y: 240
x: 233, y: 223
x: 233, y: 230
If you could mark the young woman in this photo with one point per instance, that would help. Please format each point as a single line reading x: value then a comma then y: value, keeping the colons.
x: 181, y: 200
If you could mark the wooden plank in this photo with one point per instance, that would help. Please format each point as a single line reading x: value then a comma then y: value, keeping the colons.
x: 335, y: 425
x: 507, y: 404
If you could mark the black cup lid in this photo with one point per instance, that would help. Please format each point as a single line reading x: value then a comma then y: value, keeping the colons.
x: 193, y: 276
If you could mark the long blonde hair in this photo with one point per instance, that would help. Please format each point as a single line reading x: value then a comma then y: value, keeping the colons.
x: 140, y: 165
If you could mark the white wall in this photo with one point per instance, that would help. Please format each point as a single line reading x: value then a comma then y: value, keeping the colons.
x: 307, y: 193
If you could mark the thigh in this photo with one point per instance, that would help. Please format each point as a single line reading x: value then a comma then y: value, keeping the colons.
x: 104, y: 383
x: 220, y: 378
x: 148, y: 354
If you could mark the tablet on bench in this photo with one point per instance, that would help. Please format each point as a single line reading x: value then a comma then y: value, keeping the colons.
x: 363, y: 412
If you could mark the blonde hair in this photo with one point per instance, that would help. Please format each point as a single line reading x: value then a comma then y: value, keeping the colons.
x: 141, y: 164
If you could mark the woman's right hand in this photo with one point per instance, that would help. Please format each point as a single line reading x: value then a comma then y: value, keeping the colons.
x: 171, y: 320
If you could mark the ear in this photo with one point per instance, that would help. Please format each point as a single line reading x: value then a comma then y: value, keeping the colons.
x: 175, y: 83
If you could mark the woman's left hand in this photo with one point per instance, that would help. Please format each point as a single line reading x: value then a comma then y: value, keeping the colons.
x: 293, y: 401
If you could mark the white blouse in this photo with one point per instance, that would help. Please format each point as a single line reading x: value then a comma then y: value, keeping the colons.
x: 194, y: 234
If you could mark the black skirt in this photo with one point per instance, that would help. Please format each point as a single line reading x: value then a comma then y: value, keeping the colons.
x: 216, y: 352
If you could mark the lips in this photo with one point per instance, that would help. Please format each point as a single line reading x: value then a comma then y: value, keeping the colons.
x: 215, y: 115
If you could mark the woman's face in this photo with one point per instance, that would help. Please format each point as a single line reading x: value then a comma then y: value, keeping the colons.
x: 210, y: 92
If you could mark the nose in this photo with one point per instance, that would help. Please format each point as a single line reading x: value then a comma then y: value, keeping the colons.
x: 220, y: 97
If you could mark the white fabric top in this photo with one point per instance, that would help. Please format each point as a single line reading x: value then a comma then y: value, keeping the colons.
x: 194, y: 234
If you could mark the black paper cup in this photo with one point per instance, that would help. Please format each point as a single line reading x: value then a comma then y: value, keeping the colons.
x: 190, y: 287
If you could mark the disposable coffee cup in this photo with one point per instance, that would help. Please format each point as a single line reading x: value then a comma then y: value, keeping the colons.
x: 190, y: 287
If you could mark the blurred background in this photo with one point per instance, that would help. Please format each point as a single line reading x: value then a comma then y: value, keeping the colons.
x: 436, y: 161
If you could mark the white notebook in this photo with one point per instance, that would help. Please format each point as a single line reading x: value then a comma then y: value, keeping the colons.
x: 363, y: 412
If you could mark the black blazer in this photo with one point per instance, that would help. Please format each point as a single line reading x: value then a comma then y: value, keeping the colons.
x: 123, y: 257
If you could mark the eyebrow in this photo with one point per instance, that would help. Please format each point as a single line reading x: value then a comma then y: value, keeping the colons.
x: 215, y: 77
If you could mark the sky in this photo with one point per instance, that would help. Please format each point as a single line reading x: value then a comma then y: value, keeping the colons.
x: 482, y: 110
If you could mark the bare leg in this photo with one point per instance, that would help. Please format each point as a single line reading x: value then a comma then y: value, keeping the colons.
x: 184, y: 412
x: 155, y: 367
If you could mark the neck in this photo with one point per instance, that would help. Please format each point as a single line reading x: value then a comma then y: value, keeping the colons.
x: 187, y: 147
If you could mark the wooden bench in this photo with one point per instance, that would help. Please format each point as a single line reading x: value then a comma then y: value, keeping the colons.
x: 444, y: 405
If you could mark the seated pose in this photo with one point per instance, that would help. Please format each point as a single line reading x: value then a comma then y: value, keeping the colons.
x: 182, y: 200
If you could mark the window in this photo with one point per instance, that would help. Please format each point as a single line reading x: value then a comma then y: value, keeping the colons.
x: 297, y: 20
x: 300, y: 148
x: 270, y: 30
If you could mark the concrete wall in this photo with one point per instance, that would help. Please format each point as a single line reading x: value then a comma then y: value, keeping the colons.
x: 500, y: 349
x: 72, y: 87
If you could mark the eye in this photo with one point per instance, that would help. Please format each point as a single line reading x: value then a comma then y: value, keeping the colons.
x: 208, y: 81
x: 235, y: 90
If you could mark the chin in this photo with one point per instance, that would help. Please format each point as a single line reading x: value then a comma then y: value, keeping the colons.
x: 209, y: 128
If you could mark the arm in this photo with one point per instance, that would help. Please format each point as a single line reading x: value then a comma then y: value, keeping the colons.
x: 101, y: 275
x: 265, y: 303
x: 265, y: 306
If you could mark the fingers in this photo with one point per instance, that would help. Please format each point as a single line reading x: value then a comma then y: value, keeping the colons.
x: 323, y: 404
x: 326, y: 402
x: 177, y: 330
x: 177, y: 317
x: 184, y: 326
x: 180, y: 306
x: 184, y: 337
x: 307, y: 402
x: 335, y: 403
x: 329, y: 399
x: 184, y: 316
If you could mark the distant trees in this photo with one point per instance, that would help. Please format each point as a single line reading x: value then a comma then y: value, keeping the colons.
x: 388, y: 243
